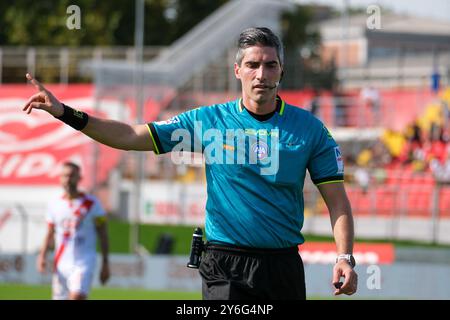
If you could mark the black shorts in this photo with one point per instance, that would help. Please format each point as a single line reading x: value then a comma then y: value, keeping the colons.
x: 235, y: 273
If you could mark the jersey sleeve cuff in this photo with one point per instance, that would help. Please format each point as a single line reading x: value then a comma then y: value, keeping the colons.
x: 327, y: 180
x: 158, y: 149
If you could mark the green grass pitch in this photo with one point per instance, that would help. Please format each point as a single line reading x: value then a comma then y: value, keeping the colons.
x: 43, y: 292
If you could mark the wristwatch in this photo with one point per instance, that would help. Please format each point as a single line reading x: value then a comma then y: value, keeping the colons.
x: 348, y: 257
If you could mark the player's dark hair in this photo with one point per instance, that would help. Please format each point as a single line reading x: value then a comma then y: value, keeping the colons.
x: 72, y: 165
x: 258, y: 36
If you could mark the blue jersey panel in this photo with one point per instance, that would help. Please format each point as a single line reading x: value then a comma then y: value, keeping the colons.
x: 255, y: 170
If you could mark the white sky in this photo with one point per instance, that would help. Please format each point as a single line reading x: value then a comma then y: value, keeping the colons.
x: 437, y: 9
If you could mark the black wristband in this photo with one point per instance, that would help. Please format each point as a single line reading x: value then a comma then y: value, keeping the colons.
x: 74, y: 118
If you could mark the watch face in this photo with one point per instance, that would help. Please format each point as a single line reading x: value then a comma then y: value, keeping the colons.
x: 352, y: 261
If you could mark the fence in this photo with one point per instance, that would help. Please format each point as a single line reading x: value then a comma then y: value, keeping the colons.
x: 419, y: 211
x: 22, y: 227
x: 60, y: 64
x: 410, y: 208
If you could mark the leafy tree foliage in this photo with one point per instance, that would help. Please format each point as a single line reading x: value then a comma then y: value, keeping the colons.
x: 43, y: 22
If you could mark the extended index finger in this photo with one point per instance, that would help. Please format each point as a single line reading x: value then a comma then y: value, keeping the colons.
x: 36, y: 83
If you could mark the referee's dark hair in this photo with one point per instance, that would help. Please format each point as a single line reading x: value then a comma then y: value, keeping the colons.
x: 258, y: 36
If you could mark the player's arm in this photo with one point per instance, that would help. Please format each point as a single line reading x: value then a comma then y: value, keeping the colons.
x: 47, y: 244
x: 341, y: 217
x: 102, y: 232
x: 112, y: 133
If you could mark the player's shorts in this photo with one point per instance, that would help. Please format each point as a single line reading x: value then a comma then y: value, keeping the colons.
x: 74, y: 279
x: 236, y: 273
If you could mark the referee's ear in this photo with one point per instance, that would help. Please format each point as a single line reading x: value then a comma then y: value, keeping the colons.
x: 236, y: 70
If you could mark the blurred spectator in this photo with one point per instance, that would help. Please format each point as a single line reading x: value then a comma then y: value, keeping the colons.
x: 381, y: 155
x: 314, y: 107
x: 370, y: 164
x: 435, y: 81
x: 362, y: 177
x: 379, y: 175
x: 364, y: 158
x: 436, y: 145
x: 441, y: 169
x: 340, y: 107
x: 394, y: 143
x: 370, y: 97
x: 423, y: 146
x: 413, y: 152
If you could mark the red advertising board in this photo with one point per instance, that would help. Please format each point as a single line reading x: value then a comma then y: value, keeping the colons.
x: 33, y: 146
x: 364, y: 253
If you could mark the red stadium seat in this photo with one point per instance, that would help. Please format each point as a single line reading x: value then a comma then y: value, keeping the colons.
x: 384, y: 201
x: 444, y: 203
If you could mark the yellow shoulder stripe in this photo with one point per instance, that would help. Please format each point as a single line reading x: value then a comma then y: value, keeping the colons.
x: 155, y: 147
x: 328, y: 182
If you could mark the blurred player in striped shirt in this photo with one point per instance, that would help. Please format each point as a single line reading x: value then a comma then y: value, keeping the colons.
x: 74, y: 220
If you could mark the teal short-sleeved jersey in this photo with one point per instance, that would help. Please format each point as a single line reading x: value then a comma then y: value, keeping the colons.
x: 255, y: 170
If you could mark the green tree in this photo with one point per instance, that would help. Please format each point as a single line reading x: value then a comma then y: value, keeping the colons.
x: 43, y: 22
x: 35, y: 23
x: 157, y: 24
x: 157, y: 27
x: 302, y: 51
x: 3, y: 32
x: 191, y: 12
x: 102, y: 23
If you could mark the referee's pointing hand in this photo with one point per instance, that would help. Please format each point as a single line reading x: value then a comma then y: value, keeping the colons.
x: 43, y: 100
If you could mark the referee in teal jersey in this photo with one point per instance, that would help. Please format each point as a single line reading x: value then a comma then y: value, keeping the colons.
x: 257, y: 150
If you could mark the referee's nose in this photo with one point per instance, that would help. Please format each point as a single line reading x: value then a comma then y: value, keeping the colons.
x: 261, y: 72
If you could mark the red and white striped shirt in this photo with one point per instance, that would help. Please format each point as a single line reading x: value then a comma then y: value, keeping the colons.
x: 75, y: 229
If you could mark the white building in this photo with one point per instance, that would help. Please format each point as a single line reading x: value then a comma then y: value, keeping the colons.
x: 402, y: 51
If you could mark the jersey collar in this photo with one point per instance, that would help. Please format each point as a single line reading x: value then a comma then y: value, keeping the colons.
x: 280, y: 105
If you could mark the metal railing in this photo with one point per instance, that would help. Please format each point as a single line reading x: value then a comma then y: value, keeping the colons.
x: 23, y: 227
x: 202, y: 45
x: 60, y: 64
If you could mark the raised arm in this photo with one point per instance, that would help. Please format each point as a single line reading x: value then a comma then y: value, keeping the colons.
x: 119, y: 135
x: 112, y: 133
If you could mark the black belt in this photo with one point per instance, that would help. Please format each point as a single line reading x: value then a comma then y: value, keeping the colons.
x: 249, y: 250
